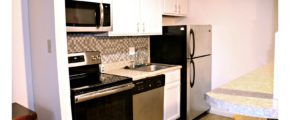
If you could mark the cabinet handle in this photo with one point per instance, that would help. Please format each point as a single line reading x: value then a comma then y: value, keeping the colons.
x: 143, y: 27
x: 138, y: 27
x: 175, y: 8
x: 178, y: 8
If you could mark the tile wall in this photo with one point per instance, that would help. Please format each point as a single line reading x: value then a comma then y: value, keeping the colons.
x: 113, y: 49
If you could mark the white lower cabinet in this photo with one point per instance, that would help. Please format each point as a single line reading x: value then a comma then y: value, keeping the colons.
x: 172, y: 95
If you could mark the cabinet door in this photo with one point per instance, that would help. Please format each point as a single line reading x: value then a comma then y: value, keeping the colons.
x: 172, y: 101
x: 169, y: 7
x: 172, y: 76
x: 151, y: 17
x: 175, y: 7
x: 125, y: 17
x: 182, y: 7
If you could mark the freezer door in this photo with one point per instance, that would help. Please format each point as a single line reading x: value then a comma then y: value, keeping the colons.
x: 199, y: 40
x: 198, y: 83
x: 170, y: 48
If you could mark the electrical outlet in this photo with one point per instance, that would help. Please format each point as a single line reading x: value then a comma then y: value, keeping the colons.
x: 131, y: 50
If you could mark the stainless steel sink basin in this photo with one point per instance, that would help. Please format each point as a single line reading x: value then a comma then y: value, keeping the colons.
x: 151, y: 67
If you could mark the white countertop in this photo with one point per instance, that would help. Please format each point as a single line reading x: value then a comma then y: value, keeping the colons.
x: 136, y: 75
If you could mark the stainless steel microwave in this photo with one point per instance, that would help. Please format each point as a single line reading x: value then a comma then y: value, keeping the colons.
x: 88, y: 15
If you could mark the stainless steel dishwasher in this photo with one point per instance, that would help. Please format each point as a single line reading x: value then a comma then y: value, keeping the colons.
x: 148, y: 98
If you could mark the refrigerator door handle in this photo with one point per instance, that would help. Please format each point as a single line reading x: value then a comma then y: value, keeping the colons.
x: 192, y: 73
x: 192, y: 43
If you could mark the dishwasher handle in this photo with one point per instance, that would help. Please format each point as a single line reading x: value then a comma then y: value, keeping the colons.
x: 104, y: 92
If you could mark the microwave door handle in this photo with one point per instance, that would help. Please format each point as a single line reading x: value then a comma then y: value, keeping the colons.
x: 101, y: 14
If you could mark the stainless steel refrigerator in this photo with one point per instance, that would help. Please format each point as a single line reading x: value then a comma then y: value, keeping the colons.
x: 189, y: 46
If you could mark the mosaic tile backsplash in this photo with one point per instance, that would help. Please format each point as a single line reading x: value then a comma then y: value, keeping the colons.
x: 113, y: 49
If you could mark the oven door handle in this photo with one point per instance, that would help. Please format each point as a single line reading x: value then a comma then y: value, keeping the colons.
x: 104, y: 92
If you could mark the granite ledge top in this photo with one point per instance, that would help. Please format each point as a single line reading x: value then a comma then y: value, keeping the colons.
x: 250, y: 94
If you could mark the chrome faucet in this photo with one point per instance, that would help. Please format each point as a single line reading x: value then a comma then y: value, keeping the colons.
x: 132, y: 64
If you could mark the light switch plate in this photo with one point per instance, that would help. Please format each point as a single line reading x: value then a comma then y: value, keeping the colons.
x: 102, y: 68
x: 49, y: 46
x: 131, y: 50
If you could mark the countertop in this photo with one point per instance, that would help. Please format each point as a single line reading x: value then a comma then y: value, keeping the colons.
x: 250, y: 94
x: 20, y: 112
x: 136, y: 75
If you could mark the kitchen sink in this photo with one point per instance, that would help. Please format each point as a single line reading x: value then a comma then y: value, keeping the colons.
x: 150, y: 67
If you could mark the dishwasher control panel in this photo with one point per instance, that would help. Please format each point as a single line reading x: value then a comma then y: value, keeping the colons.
x: 148, y: 83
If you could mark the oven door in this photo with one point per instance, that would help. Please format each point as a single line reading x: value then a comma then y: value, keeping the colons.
x: 112, y: 104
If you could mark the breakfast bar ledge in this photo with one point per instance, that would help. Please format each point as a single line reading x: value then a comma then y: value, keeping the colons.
x: 250, y: 95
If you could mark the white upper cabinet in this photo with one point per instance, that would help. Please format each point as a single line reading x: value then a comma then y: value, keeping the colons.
x: 175, y: 7
x: 136, y: 17
x: 182, y: 7
x: 169, y: 7
x: 125, y: 20
x: 151, y: 17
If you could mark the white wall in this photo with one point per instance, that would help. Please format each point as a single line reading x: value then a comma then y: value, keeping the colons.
x: 22, y: 91
x: 243, y: 34
x: 6, y: 59
x: 48, y: 94
x: 282, y: 58
x: 49, y: 59
x: 61, y: 56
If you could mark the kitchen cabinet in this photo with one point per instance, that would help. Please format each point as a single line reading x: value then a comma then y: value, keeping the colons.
x: 172, y: 95
x: 175, y: 7
x: 136, y: 17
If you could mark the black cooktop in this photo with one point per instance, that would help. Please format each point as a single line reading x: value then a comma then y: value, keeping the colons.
x: 85, y: 75
x: 86, y: 82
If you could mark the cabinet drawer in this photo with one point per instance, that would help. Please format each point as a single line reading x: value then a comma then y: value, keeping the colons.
x: 172, y: 76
